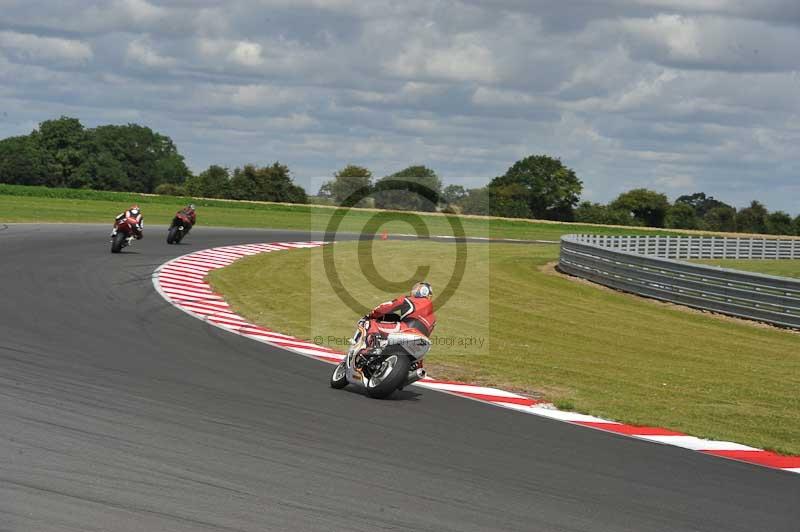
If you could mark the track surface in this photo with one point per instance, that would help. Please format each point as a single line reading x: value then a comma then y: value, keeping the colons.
x: 119, y: 412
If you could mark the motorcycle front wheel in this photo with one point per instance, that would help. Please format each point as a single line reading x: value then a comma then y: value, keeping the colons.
x: 171, y: 234
x: 389, y: 376
x: 339, y: 377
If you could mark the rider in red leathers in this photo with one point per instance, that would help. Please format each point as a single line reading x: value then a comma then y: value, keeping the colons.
x: 190, y: 214
x: 135, y: 213
x: 414, y: 311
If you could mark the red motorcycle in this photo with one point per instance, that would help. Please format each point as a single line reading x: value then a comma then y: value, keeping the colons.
x: 124, y: 233
x: 180, y: 226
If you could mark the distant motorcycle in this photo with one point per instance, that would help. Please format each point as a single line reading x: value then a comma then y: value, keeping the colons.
x: 385, y: 361
x: 123, y: 234
x: 180, y: 226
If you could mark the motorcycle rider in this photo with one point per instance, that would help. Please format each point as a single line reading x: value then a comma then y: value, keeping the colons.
x: 135, y: 213
x: 189, y: 212
x: 414, y: 312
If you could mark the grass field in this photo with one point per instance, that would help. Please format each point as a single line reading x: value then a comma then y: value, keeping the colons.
x: 39, y: 204
x: 582, y: 347
x: 783, y: 268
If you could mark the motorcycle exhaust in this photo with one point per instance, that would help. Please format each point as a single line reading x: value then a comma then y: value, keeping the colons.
x: 414, y: 376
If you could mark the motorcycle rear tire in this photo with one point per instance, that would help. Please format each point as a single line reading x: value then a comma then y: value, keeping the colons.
x: 394, y: 380
x: 172, y: 234
x: 341, y: 382
x: 117, y: 243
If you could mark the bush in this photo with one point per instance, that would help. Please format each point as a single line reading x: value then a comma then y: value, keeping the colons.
x: 131, y: 197
x: 169, y: 189
x: 646, y: 207
x: 596, y: 213
x: 416, y: 188
x: 681, y: 216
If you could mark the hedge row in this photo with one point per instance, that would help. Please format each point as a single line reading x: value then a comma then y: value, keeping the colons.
x: 133, y: 197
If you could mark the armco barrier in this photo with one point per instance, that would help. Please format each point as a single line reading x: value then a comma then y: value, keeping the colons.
x: 650, y: 266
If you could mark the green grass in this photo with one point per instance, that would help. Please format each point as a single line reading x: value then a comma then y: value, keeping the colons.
x: 782, y: 268
x: 41, y: 204
x: 585, y: 348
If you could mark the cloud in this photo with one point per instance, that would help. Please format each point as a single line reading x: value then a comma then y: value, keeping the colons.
x: 246, y: 54
x: 714, y: 43
x: 465, y: 58
x: 26, y: 47
x: 262, y: 95
x: 142, y: 51
x: 682, y: 182
x: 667, y: 94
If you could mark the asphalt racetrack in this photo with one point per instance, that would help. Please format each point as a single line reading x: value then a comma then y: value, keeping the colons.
x: 119, y: 412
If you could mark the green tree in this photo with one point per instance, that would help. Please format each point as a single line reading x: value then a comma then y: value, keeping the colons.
x: 326, y: 190
x: 645, y: 207
x: 551, y: 189
x: 244, y: 183
x: 720, y: 219
x: 476, y: 201
x: 453, y: 194
x: 681, y: 216
x: 700, y: 203
x: 65, y: 140
x: 348, y: 181
x: 752, y: 219
x: 268, y: 183
x: 23, y: 161
x: 510, y: 201
x: 597, y: 213
x: 62, y: 152
x: 278, y: 185
x: 170, y: 167
x: 214, y: 182
x: 416, y: 188
x: 779, y: 223
x: 796, y: 224
x: 148, y: 158
x: 102, y: 171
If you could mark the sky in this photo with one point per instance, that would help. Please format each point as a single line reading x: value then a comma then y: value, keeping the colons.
x: 677, y: 96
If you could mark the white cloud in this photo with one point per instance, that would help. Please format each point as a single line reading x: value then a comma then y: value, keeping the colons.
x: 139, y: 10
x: 713, y: 42
x: 28, y: 47
x: 677, y: 181
x: 142, y: 51
x: 246, y: 54
x: 465, y: 59
x: 263, y: 95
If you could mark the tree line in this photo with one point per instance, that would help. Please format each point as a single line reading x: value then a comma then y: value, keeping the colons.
x: 535, y: 187
x: 541, y: 187
x: 130, y: 158
x: 133, y: 158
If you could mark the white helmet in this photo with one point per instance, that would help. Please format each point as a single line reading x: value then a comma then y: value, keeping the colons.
x: 422, y: 289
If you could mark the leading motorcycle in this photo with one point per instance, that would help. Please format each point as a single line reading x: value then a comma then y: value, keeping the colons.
x: 123, y: 234
x: 386, y: 360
